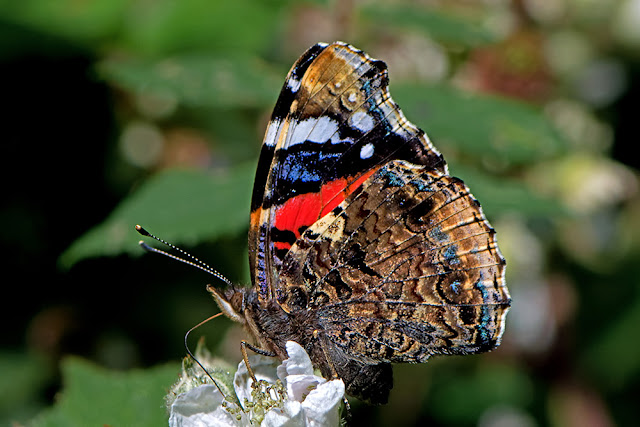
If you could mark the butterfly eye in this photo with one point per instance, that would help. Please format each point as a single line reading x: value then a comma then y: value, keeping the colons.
x: 237, y: 302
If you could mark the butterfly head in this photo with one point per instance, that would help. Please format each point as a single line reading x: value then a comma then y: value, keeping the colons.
x: 232, y: 302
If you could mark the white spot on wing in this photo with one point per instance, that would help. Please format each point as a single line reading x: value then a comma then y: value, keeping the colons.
x: 318, y: 130
x: 324, y: 129
x: 271, y: 135
x: 293, y: 84
x: 361, y: 121
x: 366, y: 151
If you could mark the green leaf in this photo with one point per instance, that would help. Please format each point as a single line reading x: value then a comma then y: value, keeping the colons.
x: 156, y: 28
x: 167, y: 26
x: 199, y: 79
x: 81, y: 21
x: 440, y: 25
x: 24, y: 376
x: 93, y: 396
x: 485, y: 127
x: 182, y: 206
x: 499, y: 195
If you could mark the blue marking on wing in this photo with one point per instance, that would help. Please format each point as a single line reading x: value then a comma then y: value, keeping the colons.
x: 308, y: 166
x: 455, y: 286
x: 393, y: 179
x: 451, y: 254
x: 485, y: 312
x: 437, y: 234
x: 421, y: 185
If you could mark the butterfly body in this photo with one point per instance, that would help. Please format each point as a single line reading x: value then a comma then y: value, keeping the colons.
x: 363, y: 249
x: 271, y: 327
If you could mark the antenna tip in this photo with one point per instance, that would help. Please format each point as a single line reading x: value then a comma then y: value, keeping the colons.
x: 141, y: 230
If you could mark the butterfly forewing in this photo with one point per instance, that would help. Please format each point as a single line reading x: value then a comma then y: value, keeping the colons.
x: 333, y: 125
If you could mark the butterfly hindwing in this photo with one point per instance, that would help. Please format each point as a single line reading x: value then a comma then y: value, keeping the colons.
x: 406, y: 268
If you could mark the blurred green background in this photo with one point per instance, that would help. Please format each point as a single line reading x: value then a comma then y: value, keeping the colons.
x: 120, y: 112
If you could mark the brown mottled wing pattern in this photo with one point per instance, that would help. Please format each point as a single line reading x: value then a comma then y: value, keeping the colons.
x: 404, y: 269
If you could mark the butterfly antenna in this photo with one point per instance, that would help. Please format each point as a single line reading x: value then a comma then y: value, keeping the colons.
x: 192, y: 261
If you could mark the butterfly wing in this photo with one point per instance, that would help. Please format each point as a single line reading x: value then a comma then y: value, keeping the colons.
x: 406, y: 268
x: 333, y: 126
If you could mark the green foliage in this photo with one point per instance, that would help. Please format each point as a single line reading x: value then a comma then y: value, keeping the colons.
x: 443, y: 26
x: 198, y: 80
x: 80, y: 22
x: 95, y: 396
x: 23, y: 378
x: 506, y: 195
x: 498, y: 130
x: 159, y: 28
x: 612, y: 344
x: 171, y: 25
x: 182, y: 206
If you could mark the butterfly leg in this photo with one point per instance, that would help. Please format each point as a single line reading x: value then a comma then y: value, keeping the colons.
x: 243, y: 348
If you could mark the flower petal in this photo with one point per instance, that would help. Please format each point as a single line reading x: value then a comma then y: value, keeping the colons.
x: 201, y: 406
x: 289, y: 416
x: 322, y: 404
x: 298, y: 362
x: 299, y: 386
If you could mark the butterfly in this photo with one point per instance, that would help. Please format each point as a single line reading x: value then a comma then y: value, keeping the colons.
x: 362, y: 248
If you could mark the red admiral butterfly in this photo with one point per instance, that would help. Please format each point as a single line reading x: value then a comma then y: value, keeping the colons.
x: 362, y: 248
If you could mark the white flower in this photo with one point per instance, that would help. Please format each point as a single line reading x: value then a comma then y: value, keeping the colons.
x: 287, y: 395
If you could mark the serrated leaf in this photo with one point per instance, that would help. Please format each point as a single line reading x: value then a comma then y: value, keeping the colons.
x: 199, y: 80
x: 440, y: 25
x: 182, y: 206
x: 483, y: 126
x: 94, y: 396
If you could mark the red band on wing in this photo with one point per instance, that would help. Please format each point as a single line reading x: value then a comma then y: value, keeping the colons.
x: 305, y: 209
